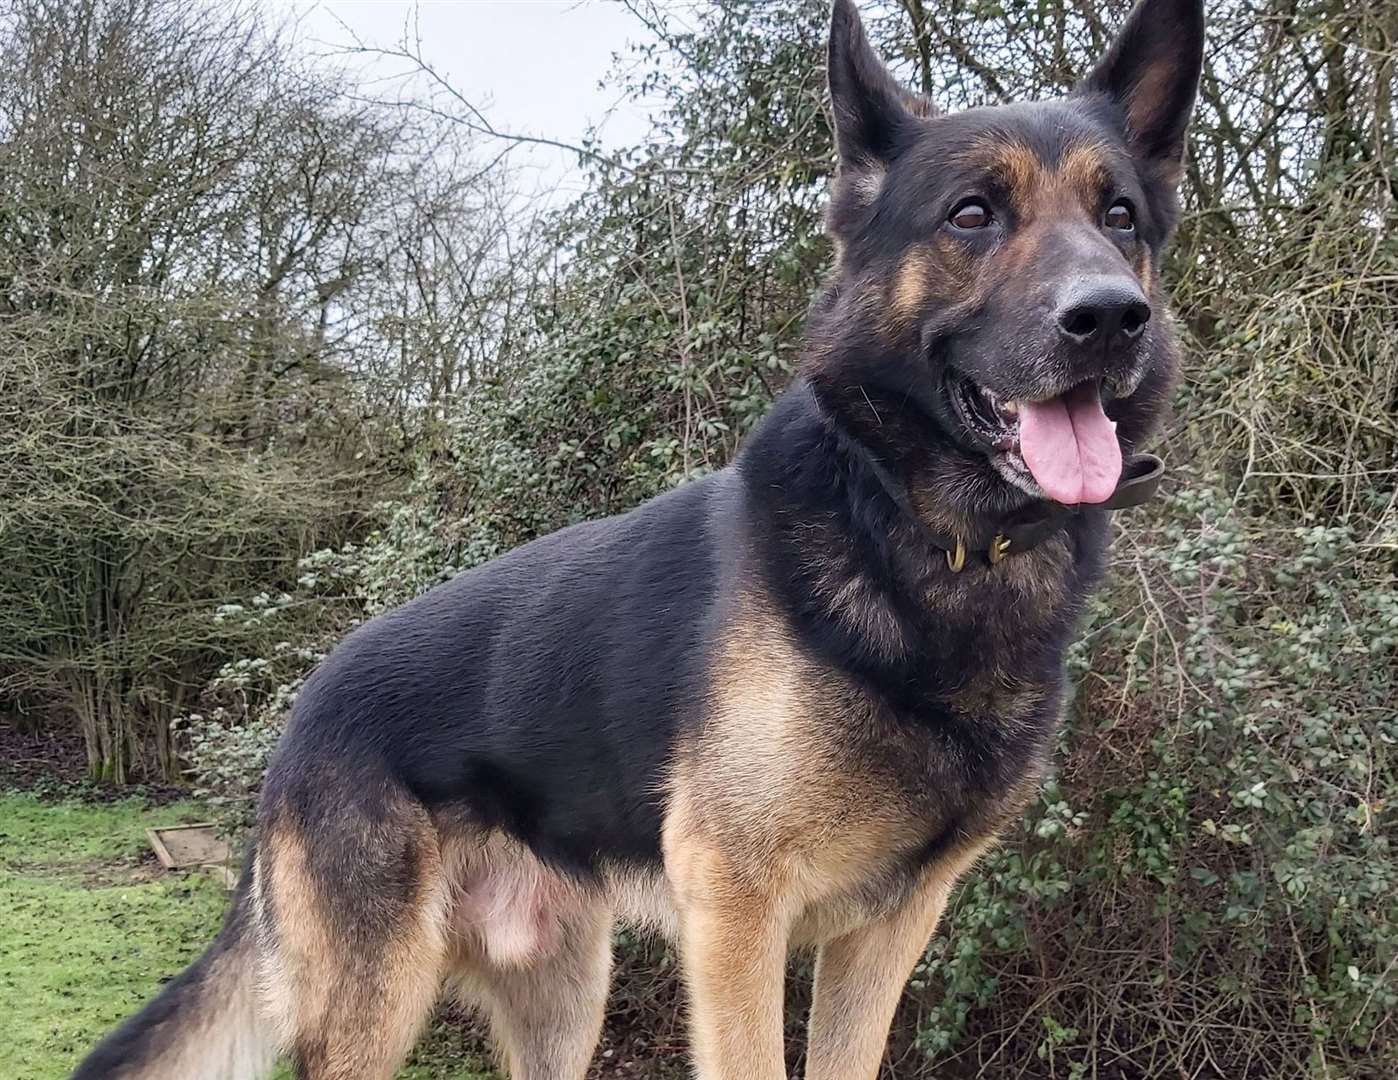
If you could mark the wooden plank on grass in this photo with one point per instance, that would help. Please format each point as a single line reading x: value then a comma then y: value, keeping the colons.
x: 181, y: 846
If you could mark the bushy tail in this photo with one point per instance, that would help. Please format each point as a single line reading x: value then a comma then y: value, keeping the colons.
x: 204, y: 1025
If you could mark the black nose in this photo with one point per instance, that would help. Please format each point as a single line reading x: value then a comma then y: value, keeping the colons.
x: 1103, y: 312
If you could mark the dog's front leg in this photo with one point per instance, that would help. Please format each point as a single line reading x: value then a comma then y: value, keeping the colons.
x: 860, y: 977
x: 733, y: 941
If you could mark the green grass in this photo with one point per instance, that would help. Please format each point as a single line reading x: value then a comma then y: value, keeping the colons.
x: 89, y: 927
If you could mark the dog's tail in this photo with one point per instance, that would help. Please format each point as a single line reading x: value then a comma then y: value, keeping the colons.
x: 205, y: 1024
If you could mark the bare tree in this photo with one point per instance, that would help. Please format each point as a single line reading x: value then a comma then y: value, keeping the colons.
x: 215, y: 264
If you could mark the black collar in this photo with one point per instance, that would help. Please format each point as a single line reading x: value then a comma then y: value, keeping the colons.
x: 1022, y: 531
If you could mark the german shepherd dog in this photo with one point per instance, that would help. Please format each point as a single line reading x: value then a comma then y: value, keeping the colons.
x: 786, y: 704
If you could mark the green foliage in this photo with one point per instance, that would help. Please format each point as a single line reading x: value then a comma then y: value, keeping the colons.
x: 214, y: 259
x: 158, y: 269
x: 1214, y: 857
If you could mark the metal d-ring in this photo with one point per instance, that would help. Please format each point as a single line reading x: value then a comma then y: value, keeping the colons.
x: 957, y: 559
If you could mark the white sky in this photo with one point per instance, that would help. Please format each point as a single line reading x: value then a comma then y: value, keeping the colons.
x: 532, y: 66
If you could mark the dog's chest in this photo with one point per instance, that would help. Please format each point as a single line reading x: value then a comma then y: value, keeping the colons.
x: 810, y: 775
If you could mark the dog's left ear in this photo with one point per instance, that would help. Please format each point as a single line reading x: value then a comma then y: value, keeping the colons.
x: 874, y: 116
x: 1152, y: 72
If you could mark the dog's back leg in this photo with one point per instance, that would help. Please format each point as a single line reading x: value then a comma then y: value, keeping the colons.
x: 536, y: 955
x: 547, y: 1017
x: 351, y: 884
x: 546, y: 1013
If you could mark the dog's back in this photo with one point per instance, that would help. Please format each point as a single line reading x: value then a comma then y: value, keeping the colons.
x: 539, y: 692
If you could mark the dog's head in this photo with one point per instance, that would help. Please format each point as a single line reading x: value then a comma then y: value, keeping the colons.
x: 998, y: 275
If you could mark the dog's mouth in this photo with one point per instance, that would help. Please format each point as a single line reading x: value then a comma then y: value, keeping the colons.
x: 1062, y: 448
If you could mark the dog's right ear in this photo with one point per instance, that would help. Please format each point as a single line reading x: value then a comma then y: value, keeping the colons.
x: 873, y: 114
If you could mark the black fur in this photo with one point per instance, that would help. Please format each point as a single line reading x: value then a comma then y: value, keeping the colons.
x: 1167, y: 34
x: 540, y: 693
x: 544, y: 693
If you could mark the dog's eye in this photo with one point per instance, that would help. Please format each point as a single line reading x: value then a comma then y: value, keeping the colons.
x: 970, y: 215
x: 1120, y: 217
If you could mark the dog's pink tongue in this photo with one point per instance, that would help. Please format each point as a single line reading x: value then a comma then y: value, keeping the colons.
x: 1070, y: 446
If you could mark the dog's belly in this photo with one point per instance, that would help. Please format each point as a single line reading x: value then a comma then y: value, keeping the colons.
x: 643, y: 900
x: 511, y: 909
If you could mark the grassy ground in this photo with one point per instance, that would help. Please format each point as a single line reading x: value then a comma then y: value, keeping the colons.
x: 90, y: 925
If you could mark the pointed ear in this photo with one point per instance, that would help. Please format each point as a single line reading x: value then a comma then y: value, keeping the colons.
x: 873, y: 114
x: 1152, y: 72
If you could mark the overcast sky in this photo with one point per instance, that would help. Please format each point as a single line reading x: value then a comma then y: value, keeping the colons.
x: 532, y: 65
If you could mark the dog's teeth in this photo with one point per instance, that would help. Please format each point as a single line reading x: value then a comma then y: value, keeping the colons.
x: 1010, y: 407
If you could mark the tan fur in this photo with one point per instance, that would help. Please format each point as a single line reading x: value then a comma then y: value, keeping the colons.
x: 532, y: 947
x: 1036, y: 190
x: 546, y: 1015
x: 325, y: 994
x: 508, y: 910
x: 227, y: 1037
x: 1146, y: 273
x: 865, y: 181
x: 1150, y: 96
x: 1022, y: 172
x: 940, y: 269
x: 860, y: 975
x: 911, y: 284
x: 733, y: 942
x: 300, y: 956
x: 642, y: 899
x: 775, y: 838
x: 528, y: 944
x: 771, y: 789
x: 1082, y: 175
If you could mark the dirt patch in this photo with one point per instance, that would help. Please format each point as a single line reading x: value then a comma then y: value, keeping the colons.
x: 644, y: 1034
x: 93, y: 873
x: 98, y: 875
x: 644, y: 1031
x: 41, y: 757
